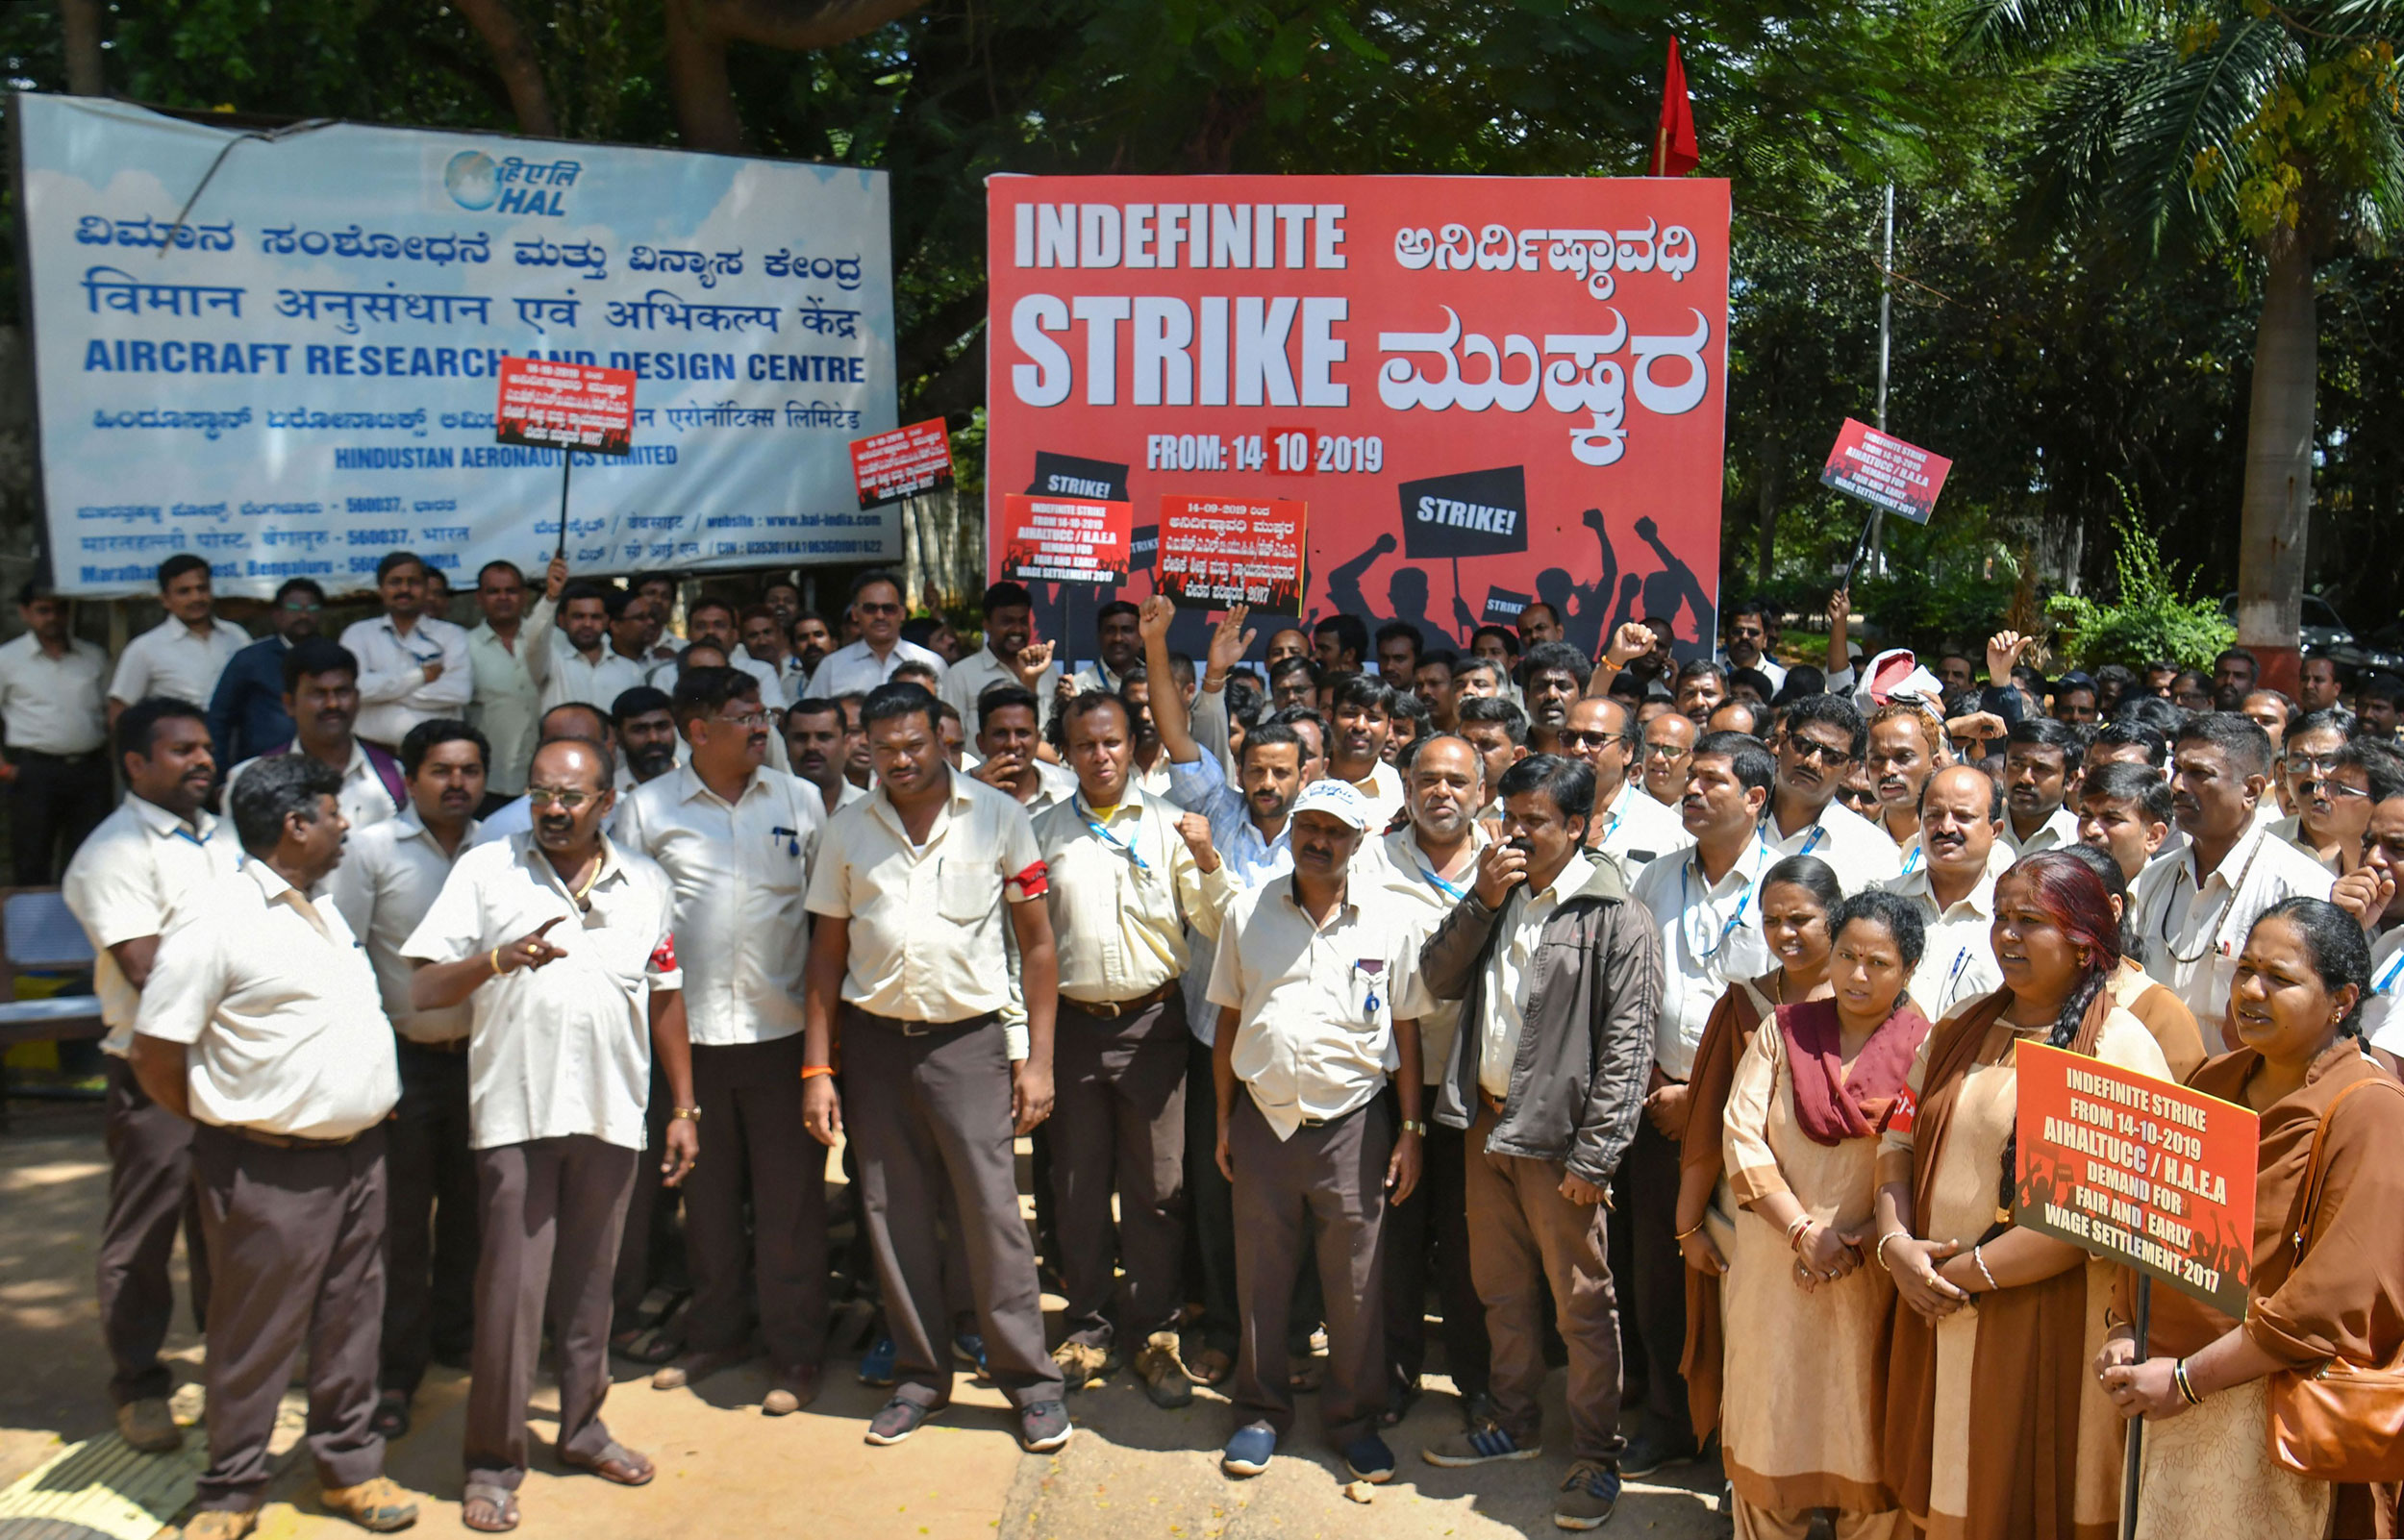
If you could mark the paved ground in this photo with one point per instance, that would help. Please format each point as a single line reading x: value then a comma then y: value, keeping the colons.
x: 1133, y: 1472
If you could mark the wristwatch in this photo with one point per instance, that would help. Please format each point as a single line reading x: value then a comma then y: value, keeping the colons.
x: 1415, y: 1126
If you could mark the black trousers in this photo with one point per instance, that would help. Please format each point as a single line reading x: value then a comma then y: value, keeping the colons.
x: 1119, y: 1127
x: 1655, y: 1295
x: 150, y: 1195
x: 1428, y: 1233
x: 750, y: 1098
x: 1209, y: 1207
x: 652, y: 1249
x: 430, y: 1222
x: 53, y: 804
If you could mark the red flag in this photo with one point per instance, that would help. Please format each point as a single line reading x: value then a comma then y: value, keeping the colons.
x: 1674, y: 150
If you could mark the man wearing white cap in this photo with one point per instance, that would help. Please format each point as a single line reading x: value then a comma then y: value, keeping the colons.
x: 1318, y: 986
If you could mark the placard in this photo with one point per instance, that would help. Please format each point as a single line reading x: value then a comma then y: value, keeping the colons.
x: 2137, y: 1171
x: 1066, y: 539
x: 1885, y: 472
x: 296, y: 374
x: 1542, y: 358
x: 1503, y: 607
x: 565, y: 406
x: 904, y: 463
x: 1217, y: 552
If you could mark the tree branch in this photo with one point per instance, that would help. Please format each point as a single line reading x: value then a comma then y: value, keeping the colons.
x: 80, y: 21
x: 697, y: 81
x: 801, y: 24
x: 515, y: 62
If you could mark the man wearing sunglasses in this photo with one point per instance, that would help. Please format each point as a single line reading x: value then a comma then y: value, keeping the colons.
x: 878, y: 610
x: 2333, y: 800
x: 246, y: 715
x: 1627, y: 824
x: 1825, y: 739
x: 737, y: 838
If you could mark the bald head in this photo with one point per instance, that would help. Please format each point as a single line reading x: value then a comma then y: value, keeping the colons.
x: 567, y: 761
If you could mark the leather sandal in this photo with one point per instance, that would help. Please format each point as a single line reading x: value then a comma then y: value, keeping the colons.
x: 488, y: 1508
x: 616, y: 1463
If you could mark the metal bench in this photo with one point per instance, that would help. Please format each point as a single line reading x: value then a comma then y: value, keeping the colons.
x: 37, y: 931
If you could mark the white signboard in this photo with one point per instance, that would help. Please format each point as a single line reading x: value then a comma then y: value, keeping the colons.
x: 301, y: 375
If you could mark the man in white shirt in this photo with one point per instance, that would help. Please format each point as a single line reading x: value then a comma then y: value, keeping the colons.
x: 2193, y: 914
x: 322, y: 693
x: 260, y: 1023
x: 127, y: 885
x: 1708, y: 919
x: 929, y: 1096
x: 1961, y: 819
x: 1824, y: 738
x: 583, y: 664
x: 815, y: 745
x: 877, y: 608
x: 2041, y: 759
x: 388, y: 877
x: 183, y: 655
x: 1628, y: 826
x: 576, y: 721
x: 1006, y: 751
x: 411, y: 666
x: 1008, y: 633
x: 563, y: 941
x: 1905, y: 743
x: 504, y: 654
x: 2124, y: 810
x: 1128, y: 877
x: 2368, y: 893
x: 1748, y: 641
x: 1317, y: 986
x: 51, y: 698
x: 735, y: 839
x: 1118, y: 646
x: 1363, y: 716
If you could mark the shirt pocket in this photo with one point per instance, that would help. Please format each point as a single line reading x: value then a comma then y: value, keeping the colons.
x: 964, y: 893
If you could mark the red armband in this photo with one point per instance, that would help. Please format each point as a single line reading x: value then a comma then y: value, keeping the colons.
x: 664, y: 956
x: 1033, y: 883
x: 1899, y: 1118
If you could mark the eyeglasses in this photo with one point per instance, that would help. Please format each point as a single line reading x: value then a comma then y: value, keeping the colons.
x: 302, y: 608
x: 2313, y: 764
x: 748, y: 720
x: 1812, y: 749
x: 2336, y: 790
x: 566, y: 800
x: 1664, y: 750
x: 865, y: 607
x: 1572, y: 738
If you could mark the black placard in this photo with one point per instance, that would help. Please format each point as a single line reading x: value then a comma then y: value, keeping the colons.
x: 1068, y: 476
x: 1471, y: 513
x: 1503, y: 607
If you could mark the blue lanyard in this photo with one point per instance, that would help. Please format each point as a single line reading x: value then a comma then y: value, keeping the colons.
x: 1819, y: 832
x: 2380, y: 984
x: 1725, y: 930
x: 1108, y: 838
x: 1450, y: 890
x: 1960, y: 960
x: 1912, y: 862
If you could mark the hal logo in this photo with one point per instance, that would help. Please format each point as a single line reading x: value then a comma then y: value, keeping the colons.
x: 478, y: 183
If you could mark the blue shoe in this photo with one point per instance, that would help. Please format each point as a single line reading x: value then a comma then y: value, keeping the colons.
x: 969, y: 1347
x: 1247, y: 1453
x: 1587, y: 1495
x: 1369, y: 1461
x: 1477, y: 1447
x: 876, y: 1365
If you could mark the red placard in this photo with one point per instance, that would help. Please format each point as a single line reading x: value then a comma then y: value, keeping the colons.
x: 1542, y: 360
x: 1221, y: 551
x: 547, y: 405
x: 1065, y: 539
x: 1885, y: 472
x: 902, y: 462
x: 2137, y: 1171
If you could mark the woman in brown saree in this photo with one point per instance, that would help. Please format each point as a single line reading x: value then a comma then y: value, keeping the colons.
x: 2132, y: 989
x: 1801, y: 1426
x: 2204, y: 1391
x: 1995, y: 1427
x: 1797, y: 895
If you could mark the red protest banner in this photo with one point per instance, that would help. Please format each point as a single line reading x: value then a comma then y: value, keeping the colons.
x: 1886, y: 472
x: 2137, y: 1171
x: 1487, y: 380
x: 546, y: 404
x: 1065, y: 539
x: 901, y: 463
x: 1217, y: 552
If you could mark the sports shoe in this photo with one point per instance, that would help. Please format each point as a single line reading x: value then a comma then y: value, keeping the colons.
x: 1479, y: 1445
x: 969, y: 1347
x: 876, y: 1365
x: 1648, y: 1453
x: 1162, y: 1371
x: 1587, y: 1495
x: 1043, y: 1426
x: 1369, y: 1461
x: 382, y: 1504
x: 896, y: 1420
x: 150, y: 1426
x: 1083, y: 1364
x: 1247, y: 1453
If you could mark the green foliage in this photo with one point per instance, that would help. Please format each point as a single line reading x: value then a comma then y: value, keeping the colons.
x: 2159, y: 615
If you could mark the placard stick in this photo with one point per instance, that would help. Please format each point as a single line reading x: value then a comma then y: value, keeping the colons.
x: 2132, y: 1470
x: 567, y: 457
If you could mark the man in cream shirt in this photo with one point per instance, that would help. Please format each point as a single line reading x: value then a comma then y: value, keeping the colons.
x: 1961, y: 812
x: 412, y: 666
x: 1825, y: 737
x: 261, y: 1022
x: 183, y: 655
x: 504, y: 652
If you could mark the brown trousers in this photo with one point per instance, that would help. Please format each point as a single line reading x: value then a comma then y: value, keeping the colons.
x: 750, y: 1098
x: 298, y: 1239
x: 1525, y: 1237
x: 1118, y: 1126
x: 1334, y: 1174
x: 551, y: 1212
x: 150, y: 1195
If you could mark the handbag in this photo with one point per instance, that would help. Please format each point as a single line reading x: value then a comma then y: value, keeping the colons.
x: 2336, y: 1421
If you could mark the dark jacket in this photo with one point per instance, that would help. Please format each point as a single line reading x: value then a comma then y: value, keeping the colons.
x: 247, y: 718
x: 1586, y: 1051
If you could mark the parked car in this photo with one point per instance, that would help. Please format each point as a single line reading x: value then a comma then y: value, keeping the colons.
x: 2324, y: 631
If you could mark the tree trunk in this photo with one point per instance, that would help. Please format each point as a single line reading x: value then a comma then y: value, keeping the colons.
x: 80, y: 21
x: 515, y: 62
x: 1765, y: 544
x: 697, y: 81
x: 2278, y: 457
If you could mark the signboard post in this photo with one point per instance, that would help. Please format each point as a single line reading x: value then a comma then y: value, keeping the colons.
x: 566, y: 406
x: 2139, y: 1172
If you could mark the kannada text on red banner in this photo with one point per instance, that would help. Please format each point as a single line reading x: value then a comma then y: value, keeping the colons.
x: 547, y: 405
x: 902, y: 462
x: 1216, y: 552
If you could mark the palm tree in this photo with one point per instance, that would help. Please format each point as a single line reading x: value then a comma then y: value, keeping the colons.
x: 2231, y: 124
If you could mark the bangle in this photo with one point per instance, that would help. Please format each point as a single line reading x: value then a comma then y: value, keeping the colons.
x: 808, y: 1070
x: 498, y: 969
x: 684, y: 1114
x: 2185, y: 1386
x: 1684, y: 1233
x: 1979, y: 1259
x: 1797, y: 1228
x: 1880, y: 1249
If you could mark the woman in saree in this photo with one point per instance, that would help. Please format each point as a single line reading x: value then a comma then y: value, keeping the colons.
x: 1996, y: 1426
x: 1800, y: 1426
x: 1797, y: 894
x: 2204, y: 1386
